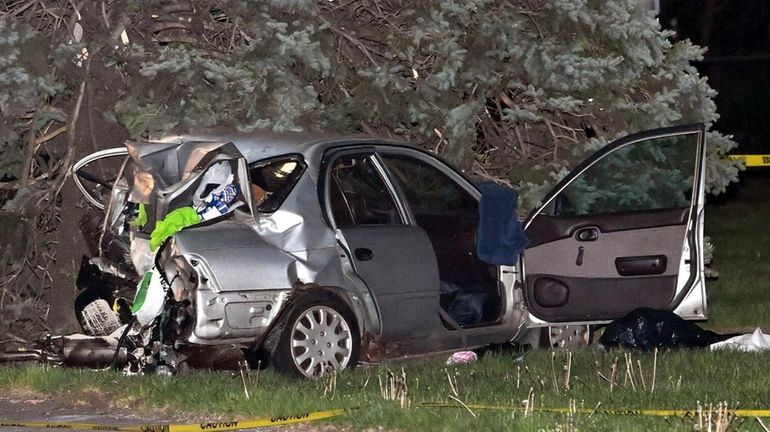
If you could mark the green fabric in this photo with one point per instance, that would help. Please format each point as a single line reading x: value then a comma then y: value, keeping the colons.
x: 141, y: 293
x: 172, y: 224
x: 141, y: 219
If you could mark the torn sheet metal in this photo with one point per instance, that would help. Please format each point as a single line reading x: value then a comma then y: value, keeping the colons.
x: 113, y: 239
x: 168, y: 173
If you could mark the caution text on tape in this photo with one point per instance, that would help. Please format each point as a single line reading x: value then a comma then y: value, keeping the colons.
x: 193, y: 427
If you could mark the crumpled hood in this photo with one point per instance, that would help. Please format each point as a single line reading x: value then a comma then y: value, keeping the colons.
x: 172, y: 162
x: 165, y: 171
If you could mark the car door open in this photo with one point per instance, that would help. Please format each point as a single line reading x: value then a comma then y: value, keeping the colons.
x: 623, y: 230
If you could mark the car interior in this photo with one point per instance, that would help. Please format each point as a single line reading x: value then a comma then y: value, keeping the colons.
x: 469, y: 292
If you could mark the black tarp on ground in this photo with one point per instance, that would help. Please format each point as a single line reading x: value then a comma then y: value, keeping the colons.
x: 646, y: 329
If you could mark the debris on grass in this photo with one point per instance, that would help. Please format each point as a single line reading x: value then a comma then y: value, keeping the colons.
x: 330, y: 383
x: 462, y: 357
x: 395, y: 388
x: 463, y: 404
x: 244, y: 366
x: 567, y: 370
x: 713, y: 419
x: 529, y: 402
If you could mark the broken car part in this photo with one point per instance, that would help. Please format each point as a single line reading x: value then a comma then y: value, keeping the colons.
x: 74, y: 350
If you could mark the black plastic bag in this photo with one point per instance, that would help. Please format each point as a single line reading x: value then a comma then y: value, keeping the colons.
x: 646, y: 329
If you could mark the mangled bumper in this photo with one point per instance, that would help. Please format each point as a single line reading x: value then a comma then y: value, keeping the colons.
x: 230, y: 291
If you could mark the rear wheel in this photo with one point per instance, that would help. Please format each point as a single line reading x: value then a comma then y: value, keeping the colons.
x: 320, y: 335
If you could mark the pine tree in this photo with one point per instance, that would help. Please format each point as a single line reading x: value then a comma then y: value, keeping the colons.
x: 522, y: 91
x: 515, y: 91
x: 511, y: 91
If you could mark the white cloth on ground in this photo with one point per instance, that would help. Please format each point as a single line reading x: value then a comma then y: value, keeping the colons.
x: 756, y: 341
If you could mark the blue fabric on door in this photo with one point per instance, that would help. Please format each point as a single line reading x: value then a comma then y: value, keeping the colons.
x: 500, y: 237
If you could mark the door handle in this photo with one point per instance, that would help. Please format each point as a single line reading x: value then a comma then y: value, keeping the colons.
x: 364, y: 254
x: 579, y: 259
x: 587, y: 234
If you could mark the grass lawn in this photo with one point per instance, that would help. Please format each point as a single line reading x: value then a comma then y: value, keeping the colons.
x: 739, y: 225
x: 682, y: 379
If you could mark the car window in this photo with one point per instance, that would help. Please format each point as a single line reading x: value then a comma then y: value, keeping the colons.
x: 427, y: 189
x: 272, y: 180
x: 358, y: 195
x: 468, y: 290
x: 646, y: 175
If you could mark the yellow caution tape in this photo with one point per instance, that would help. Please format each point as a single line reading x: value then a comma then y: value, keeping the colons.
x: 194, y: 427
x: 610, y: 411
x: 321, y: 415
x: 752, y: 160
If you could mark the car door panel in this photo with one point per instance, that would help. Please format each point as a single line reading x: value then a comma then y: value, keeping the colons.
x: 402, y: 274
x: 616, y: 297
x: 589, y: 276
x: 544, y: 228
x: 598, y: 257
x: 620, y: 232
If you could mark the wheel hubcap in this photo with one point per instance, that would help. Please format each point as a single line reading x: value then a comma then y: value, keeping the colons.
x: 568, y: 336
x: 320, y: 341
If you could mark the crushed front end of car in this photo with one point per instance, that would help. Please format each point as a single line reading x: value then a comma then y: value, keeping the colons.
x: 219, y: 286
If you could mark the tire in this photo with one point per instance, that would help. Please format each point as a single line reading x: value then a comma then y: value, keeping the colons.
x: 98, y: 319
x: 566, y: 336
x: 319, y: 334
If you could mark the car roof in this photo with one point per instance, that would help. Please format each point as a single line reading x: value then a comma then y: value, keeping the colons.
x: 259, y: 145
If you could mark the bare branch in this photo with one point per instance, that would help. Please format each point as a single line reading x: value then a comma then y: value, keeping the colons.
x: 64, y: 170
x: 29, y: 153
x: 352, y: 40
x: 232, y: 36
x: 168, y: 25
x: 49, y: 136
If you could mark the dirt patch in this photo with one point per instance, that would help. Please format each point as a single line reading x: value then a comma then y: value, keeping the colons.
x: 93, y: 405
x: 89, y: 405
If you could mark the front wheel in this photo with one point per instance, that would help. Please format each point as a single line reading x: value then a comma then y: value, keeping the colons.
x: 319, y: 335
x: 566, y: 336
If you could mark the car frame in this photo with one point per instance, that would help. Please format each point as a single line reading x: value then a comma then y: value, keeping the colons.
x: 362, y: 279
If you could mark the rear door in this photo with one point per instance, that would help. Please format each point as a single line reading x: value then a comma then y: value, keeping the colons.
x: 623, y: 230
x: 395, y: 260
